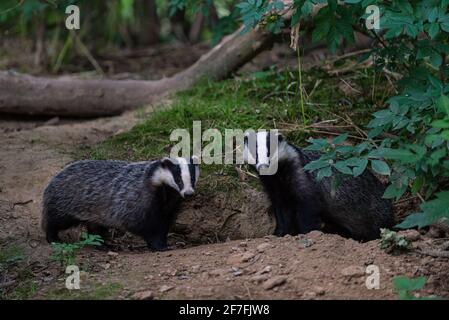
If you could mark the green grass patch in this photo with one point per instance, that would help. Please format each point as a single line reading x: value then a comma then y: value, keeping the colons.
x: 262, y: 100
x: 10, y: 255
x: 26, y: 289
x: 25, y: 285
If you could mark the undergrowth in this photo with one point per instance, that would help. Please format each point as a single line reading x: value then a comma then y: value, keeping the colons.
x: 262, y: 100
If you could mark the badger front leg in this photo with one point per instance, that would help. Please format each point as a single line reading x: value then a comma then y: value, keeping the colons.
x: 156, y: 236
x: 308, y: 215
x: 157, y: 242
x: 285, y: 219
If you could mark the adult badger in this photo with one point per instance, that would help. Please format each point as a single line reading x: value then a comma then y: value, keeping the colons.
x: 300, y: 203
x: 139, y: 197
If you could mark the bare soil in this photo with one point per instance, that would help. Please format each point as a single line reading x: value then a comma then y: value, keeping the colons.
x: 261, y: 266
x: 222, y: 244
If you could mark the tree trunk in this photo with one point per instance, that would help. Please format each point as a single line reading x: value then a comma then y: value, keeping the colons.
x: 65, y: 96
x: 40, y: 54
x: 196, y: 28
x: 179, y: 26
x: 148, y: 26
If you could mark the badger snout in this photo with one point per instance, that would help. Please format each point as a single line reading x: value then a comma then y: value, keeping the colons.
x: 186, y: 194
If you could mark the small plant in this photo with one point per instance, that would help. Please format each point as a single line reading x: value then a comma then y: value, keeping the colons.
x: 405, y: 286
x: 65, y: 252
x: 10, y: 256
x: 392, y: 242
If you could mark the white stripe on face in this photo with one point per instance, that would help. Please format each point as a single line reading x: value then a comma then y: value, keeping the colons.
x: 262, y: 150
x: 185, y: 176
x: 162, y: 176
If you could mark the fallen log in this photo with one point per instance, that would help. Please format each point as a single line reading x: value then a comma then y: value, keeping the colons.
x: 71, y: 97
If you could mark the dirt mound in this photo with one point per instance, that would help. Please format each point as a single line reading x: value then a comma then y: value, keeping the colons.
x: 225, y: 216
x: 307, y: 267
x: 312, y: 266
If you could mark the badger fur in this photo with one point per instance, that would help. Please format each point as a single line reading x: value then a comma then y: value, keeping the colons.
x: 139, y: 197
x: 300, y: 203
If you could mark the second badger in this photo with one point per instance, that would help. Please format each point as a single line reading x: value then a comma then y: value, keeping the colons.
x: 139, y: 197
x: 301, y: 203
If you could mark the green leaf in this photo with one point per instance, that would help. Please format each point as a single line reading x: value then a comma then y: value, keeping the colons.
x: 340, y: 139
x: 317, y: 164
x: 406, y: 284
x: 380, y: 167
x: 434, y: 29
x: 403, y: 155
x: 445, y: 134
x: 324, y: 173
x: 361, y: 166
x: 433, y: 14
x: 417, y: 184
x: 394, y: 191
x: 375, y: 132
x: 442, y: 124
x: 342, y: 167
x: 432, y: 211
x: 443, y: 104
x: 307, y: 8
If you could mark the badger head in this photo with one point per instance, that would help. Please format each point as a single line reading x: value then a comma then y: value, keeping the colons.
x: 262, y: 150
x: 180, y: 174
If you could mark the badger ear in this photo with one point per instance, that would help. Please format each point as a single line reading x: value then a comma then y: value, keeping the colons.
x: 166, y: 162
x: 279, y: 135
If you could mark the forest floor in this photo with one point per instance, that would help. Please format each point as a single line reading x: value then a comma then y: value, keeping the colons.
x: 255, y: 265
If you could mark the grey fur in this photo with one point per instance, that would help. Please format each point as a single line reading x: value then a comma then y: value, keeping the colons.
x: 112, y: 194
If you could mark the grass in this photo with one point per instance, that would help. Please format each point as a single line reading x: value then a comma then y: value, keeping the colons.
x: 26, y: 289
x: 10, y: 255
x: 10, y: 259
x: 267, y: 99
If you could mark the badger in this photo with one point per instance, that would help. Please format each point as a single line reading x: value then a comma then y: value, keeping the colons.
x: 301, y: 204
x: 140, y: 197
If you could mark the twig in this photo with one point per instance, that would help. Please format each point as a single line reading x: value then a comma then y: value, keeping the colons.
x: 395, y: 75
x: 227, y: 219
x: 247, y: 290
x: 351, y: 87
x: 330, y: 133
x: 348, y: 55
x: 278, y: 93
x: 350, y: 67
x: 21, y: 203
x: 88, y: 55
x: 404, y: 200
x: 317, y: 83
x: 391, y: 82
x: 381, y: 41
x: 435, y: 253
x: 13, y: 8
x: 440, y: 252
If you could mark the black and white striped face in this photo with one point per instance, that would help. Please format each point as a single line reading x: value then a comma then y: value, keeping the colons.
x: 261, y: 151
x: 179, y: 173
